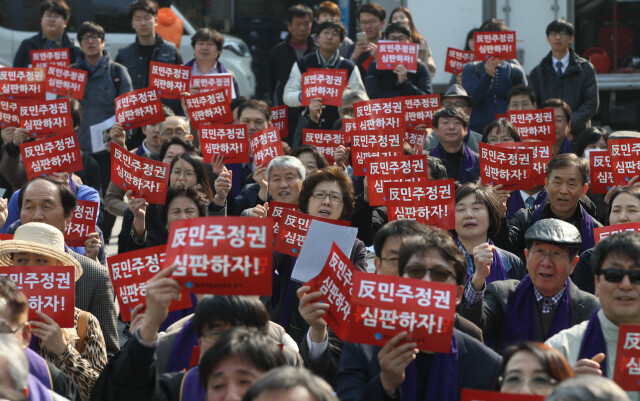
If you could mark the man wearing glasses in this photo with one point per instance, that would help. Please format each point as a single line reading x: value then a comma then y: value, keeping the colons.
x: 591, y: 346
x: 564, y: 75
x: 544, y: 302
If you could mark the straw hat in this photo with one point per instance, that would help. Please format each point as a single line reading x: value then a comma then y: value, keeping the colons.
x: 41, y: 239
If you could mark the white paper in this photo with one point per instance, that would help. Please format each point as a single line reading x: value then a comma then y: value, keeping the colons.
x: 317, y: 245
x: 98, y: 134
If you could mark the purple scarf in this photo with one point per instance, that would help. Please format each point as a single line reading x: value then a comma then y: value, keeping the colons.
x: 176, y: 315
x: 192, y: 389
x: 497, y: 271
x: 180, y: 355
x: 586, y: 227
x: 516, y: 203
x: 140, y: 151
x: 520, y: 316
x: 37, y: 390
x: 593, y: 342
x: 566, y: 146
x: 38, y: 368
x: 442, y: 384
x: 469, y: 161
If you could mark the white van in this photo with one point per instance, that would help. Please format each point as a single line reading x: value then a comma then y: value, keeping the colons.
x: 20, y: 19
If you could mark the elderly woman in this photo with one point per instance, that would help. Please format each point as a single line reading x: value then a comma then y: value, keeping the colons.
x: 80, y: 352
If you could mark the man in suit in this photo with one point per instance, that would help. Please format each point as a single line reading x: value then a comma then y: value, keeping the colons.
x: 370, y: 372
x: 544, y: 302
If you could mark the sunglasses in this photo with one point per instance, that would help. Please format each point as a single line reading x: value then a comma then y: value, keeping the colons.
x: 436, y: 274
x: 617, y: 275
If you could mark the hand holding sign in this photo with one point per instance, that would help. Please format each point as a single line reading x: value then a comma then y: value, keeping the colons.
x: 313, y: 312
x: 49, y: 333
x: 161, y: 291
x: 394, y: 359
x: 137, y: 206
x: 315, y: 110
x: 222, y: 186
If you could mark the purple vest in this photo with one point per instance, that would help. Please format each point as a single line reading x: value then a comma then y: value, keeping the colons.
x: 37, y: 390
x: 182, y: 347
x: 38, y: 368
x: 192, y: 389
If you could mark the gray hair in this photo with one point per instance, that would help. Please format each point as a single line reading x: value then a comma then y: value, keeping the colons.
x: 183, y: 119
x: 289, y: 377
x: 18, y: 366
x: 287, y: 162
x: 354, y: 96
x: 588, y: 388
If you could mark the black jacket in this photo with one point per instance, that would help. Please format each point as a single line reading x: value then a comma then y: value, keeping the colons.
x: 36, y: 42
x: 577, y: 86
x: 384, y: 83
x: 281, y: 59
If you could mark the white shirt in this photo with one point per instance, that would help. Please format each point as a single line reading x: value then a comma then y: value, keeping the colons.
x: 564, y: 61
x: 526, y: 196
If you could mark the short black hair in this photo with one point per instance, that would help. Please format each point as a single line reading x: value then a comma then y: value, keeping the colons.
x: 207, y: 34
x: 521, y: 90
x: 436, y: 168
x: 290, y: 377
x: 396, y: 228
x: 558, y: 103
x: 67, y: 197
x: 188, y: 147
x: 561, y: 25
x: 569, y: 160
x: 143, y: 5
x: 194, y: 192
x: 587, y: 137
x: 91, y: 28
x: 59, y: 7
x: 448, y: 112
x: 373, y: 8
x: 398, y: 27
x: 75, y: 107
x: 255, y: 104
x: 299, y: 10
x: 335, y: 25
x: 626, y: 243
x: 234, y: 310
x: 320, y: 159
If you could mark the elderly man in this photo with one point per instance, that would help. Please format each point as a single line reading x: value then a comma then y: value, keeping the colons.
x: 47, y: 200
x: 450, y: 125
x: 592, y: 345
x: 545, y: 302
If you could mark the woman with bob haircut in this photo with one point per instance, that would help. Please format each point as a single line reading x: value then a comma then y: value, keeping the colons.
x: 500, y: 131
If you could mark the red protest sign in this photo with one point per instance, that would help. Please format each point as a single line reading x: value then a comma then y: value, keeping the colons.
x: 9, y: 113
x: 511, y: 168
x: 228, y: 140
x: 419, y: 109
x: 139, y: 108
x: 130, y: 272
x: 169, y: 80
x: 222, y: 255
x: 293, y: 230
x: 627, y: 371
x: 495, y: 44
x: 65, y: 81
x: 542, y: 153
x: 403, y: 168
x: 600, y: 171
x: 4, y: 237
x: 48, y: 289
x: 431, y: 202
x: 415, y: 138
x: 348, y: 125
x: 208, y: 108
x: 22, y: 83
x: 275, y: 211
x: 45, y: 58
x: 335, y: 283
x: 537, y: 125
x: 48, y: 117
x: 51, y: 155
x: 147, y: 178
x: 383, y: 306
x: 265, y: 145
x: 326, y: 141
x: 280, y: 119
x: 456, y: 59
x: 209, y: 83
x: 324, y: 84
x: 373, y: 144
x: 391, y: 54
x: 625, y: 159
x: 482, y: 395
x: 599, y: 233
x: 83, y: 223
x: 379, y: 114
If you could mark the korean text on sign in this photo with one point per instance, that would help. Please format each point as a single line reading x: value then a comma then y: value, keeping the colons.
x: 335, y: 283
x: 22, y: 83
x: 326, y: 141
x: 391, y: 54
x: 83, y: 223
x: 420, y: 109
x: 456, y: 59
x: 208, y: 108
x: 280, y: 119
x: 130, y: 272
x: 511, y: 168
x: 139, y: 108
x: 383, y: 306
x: 404, y: 168
x: 49, y: 289
x: 223, y: 255
x: 169, y: 80
x: 495, y: 44
x: 379, y: 114
x: 293, y: 231
x: 145, y: 177
x: 415, y: 138
x: 542, y: 153
x: 276, y: 210
x: 65, y: 81
x: 431, y: 203
x: 46, y: 117
x: 324, y: 84
x: 625, y: 159
x: 57, y: 154
x: 537, y: 125
x: 265, y: 145
x: 208, y: 83
x: 8, y: 113
x: 627, y: 366
x: 47, y: 57
x: 373, y: 144
x: 228, y: 140
x: 599, y: 233
x: 600, y: 171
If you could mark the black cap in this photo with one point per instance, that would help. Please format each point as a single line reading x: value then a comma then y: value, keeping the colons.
x: 554, y: 231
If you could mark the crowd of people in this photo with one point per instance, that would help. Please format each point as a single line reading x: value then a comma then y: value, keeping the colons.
x: 539, y: 302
